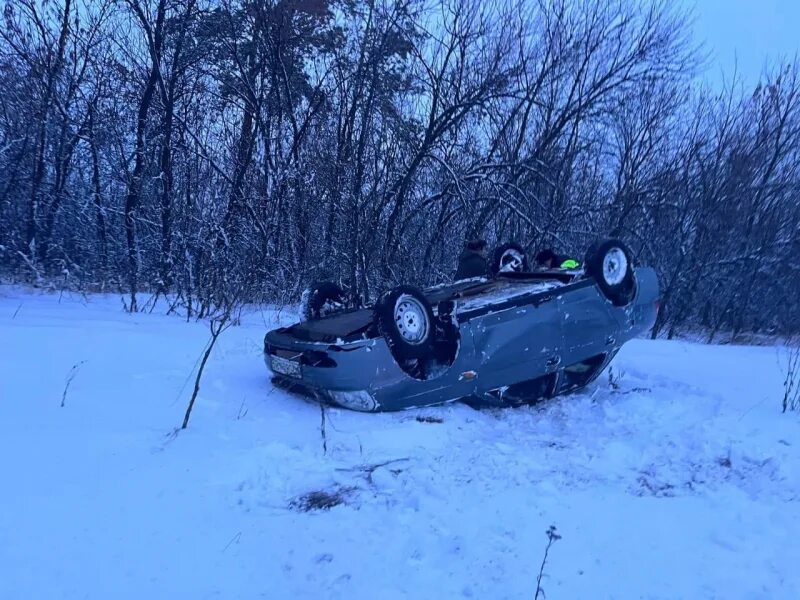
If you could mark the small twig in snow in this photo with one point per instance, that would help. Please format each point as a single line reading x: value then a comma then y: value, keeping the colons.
x: 189, y: 376
x: 634, y: 390
x: 171, y: 436
x: 372, y: 467
x: 14, y: 316
x: 322, y: 429
x: 217, y: 327
x: 613, y: 380
x: 242, y: 410
x: 552, y: 536
x: 234, y: 539
x: 72, y: 372
x: 368, y: 470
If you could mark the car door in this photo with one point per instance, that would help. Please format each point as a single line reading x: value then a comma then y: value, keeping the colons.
x: 519, y: 343
x: 447, y: 382
x: 589, y: 324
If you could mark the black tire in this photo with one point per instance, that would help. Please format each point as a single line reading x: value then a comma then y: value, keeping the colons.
x: 503, y: 252
x: 409, y: 332
x: 610, y: 263
x: 322, y: 299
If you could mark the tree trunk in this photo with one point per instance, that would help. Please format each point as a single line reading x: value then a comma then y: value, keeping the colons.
x: 166, y: 197
x: 97, y: 200
x: 135, y: 188
x: 135, y: 182
x: 32, y: 229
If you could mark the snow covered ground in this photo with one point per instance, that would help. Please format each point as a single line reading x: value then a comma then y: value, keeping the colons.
x: 680, y: 480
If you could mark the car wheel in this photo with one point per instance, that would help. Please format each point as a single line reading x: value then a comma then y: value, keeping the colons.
x: 322, y: 299
x: 509, y: 258
x: 405, y: 320
x: 610, y: 263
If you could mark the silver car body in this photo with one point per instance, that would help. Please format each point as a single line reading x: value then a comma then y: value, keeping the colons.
x: 553, y: 333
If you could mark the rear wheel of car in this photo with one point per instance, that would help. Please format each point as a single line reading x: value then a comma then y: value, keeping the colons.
x: 322, y: 299
x: 405, y: 320
x: 509, y: 258
x: 611, y: 264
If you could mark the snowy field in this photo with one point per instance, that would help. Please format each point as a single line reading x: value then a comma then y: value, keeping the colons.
x: 681, y: 479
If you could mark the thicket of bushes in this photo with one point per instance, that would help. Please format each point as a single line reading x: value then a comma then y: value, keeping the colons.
x: 211, y: 147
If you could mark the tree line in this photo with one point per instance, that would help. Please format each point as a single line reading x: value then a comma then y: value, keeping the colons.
x: 201, y: 149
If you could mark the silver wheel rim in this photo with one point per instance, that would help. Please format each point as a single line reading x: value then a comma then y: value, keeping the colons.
x: 511, y: 261
x: 615, y: 266
x: 411, y: 319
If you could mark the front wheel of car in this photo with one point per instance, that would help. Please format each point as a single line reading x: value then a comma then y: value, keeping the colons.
x: 610, y: 263
x: 405, y: 320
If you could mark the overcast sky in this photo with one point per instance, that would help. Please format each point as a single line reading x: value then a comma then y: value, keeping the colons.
x: 746, y: 33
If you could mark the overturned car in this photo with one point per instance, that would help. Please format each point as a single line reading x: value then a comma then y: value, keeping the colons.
x: 516, y: 337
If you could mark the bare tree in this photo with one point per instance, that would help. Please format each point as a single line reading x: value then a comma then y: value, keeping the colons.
x: 188, y: 148
x: 153, y: 29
